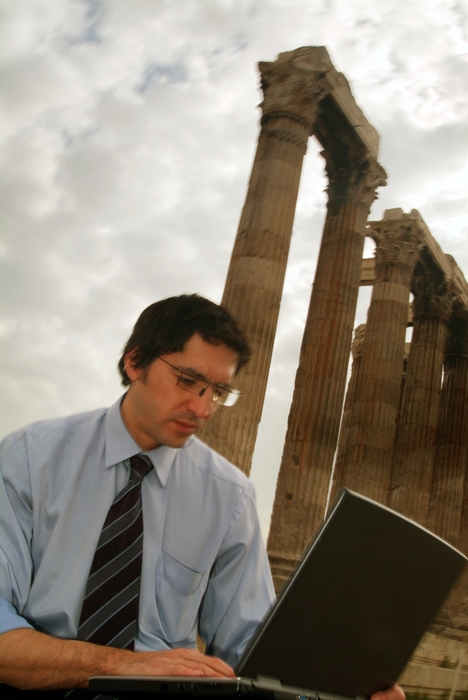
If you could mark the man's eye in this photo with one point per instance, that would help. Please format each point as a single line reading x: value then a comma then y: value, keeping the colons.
x: 188, y: 382
x: 221, y: 392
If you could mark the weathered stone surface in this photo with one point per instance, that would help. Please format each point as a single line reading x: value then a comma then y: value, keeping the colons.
x: 356, y: 352
x: 415, y: 441
x: 256, y: 274
x: 365, y: 461
x: 352, y: 174
x: 296, y: 75
x: 367, y: 272
x: 316, y: 408
x: 447, y: 509
x: 303, y: 93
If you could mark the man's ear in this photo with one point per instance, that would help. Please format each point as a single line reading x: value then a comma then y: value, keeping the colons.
x: 129, y: 363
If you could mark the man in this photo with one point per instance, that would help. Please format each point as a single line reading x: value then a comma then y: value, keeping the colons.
x: 204, y: 568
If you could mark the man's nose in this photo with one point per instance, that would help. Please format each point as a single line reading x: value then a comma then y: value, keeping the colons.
x: 203, y: 406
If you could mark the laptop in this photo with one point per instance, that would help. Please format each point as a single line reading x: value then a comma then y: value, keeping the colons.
x: 348, y: 620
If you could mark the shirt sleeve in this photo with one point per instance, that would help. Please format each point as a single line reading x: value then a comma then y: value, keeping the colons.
x: 16, y: 565
x: 9, y: 618
x: 240, y: 591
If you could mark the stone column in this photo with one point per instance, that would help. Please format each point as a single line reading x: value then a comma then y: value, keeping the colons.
x: 403, y: 376
x: 448, y: 514
x: 415, y: 440
x: 255, y: 278
x: 356, y: 352
x: 368, y: 454
x: 317, y: 403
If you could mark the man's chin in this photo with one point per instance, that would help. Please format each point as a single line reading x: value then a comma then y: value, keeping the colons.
x: 176, y: 433
x: 175, y: 444
x: 176, y: 441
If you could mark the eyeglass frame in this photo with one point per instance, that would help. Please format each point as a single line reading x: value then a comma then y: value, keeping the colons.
x: 235, y: 394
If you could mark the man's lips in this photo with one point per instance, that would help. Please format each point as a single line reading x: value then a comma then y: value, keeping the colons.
x: 186, y: 426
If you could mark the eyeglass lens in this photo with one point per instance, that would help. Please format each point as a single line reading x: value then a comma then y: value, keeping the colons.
x: 222, y: 396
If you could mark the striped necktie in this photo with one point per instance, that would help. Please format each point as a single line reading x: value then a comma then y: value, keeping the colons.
x: 110, y: 606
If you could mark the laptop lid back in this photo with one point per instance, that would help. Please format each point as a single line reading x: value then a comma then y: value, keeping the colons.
x: 357, y: 605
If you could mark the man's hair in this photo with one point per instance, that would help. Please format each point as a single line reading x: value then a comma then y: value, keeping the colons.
x: 166, y: 326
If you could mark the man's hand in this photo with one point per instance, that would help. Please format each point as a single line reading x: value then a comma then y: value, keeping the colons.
x: 393, y: 693
x: 175, y: 662
x: 31, y: 660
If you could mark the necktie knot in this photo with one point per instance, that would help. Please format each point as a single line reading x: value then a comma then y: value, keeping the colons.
x: 141, y: 464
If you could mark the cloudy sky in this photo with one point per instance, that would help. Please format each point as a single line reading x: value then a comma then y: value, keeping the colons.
x: 127, y: 134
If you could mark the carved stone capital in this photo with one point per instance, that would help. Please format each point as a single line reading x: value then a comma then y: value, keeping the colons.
x: 431, y: 297
x: 294, y: 83
x: 358, y: 339
x: 399, y: 243
x: 354, y: 175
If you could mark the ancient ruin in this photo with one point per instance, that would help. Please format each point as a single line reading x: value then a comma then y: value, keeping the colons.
x: 403, y: 439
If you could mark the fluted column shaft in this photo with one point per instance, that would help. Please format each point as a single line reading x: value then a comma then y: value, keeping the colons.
x: 415, y: 440
x: 317, y: 403
x: 256, y: 274
x: 448, y: 510
x: 368, y: 454
x: 356, y: 351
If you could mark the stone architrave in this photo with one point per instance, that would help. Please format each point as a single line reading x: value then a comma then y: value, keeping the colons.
x: 448, y: 509
x: 415, y: 440
x: 369, y: 450
x: 356, y: 352
x: 315, y: 413
x: 291, y: 86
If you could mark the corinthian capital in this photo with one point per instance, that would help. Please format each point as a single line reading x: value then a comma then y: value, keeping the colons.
x: 353, y: 174
x: 431, y: 297
x: 397, y: 242
x: 295, y: 82
x: 358, y: 340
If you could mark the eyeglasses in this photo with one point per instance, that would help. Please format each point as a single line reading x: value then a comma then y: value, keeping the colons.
x: 223, y: 395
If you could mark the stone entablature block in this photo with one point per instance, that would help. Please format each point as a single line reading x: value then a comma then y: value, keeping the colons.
x: 306, y: 83
x: 445, y: 264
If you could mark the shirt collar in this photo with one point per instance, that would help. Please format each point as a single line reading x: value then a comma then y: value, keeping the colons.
x: 120, y: 446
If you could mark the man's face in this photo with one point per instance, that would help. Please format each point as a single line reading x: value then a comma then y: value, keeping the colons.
x: 158, y: 412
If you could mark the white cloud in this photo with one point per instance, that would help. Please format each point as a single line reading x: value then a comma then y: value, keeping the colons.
x: 128, y: 133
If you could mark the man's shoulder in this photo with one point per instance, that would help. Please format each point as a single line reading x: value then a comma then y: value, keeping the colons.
x: 211, y: 462
x: 50, y: 442
x: 66, y: 424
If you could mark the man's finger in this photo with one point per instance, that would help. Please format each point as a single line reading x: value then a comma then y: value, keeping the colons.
x: 393, y: 693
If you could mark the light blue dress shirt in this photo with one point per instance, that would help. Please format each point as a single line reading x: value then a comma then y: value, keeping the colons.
x: 205, y: 567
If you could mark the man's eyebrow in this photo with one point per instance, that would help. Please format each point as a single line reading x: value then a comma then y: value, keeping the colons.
x: 196, y: 375
x: 193, y: 373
